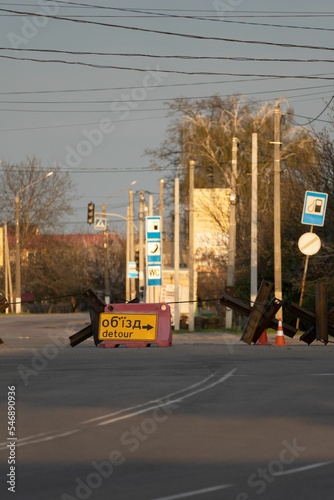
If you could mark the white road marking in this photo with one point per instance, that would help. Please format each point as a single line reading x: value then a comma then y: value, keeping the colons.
x: 35, y: 440
x: 51, y: 435
x: 166, y: 403
x: 149, y: 402
x: 196, y: 492
x: 302, y: 469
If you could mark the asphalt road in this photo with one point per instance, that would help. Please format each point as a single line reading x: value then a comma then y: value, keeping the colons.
x: 208, y: 418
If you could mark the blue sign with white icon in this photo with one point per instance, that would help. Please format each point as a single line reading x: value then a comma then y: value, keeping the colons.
x: 154, y: 273
x: 132, y: 270
x: 153, y: 230
x: 314, y: 208
x: 153, y: 250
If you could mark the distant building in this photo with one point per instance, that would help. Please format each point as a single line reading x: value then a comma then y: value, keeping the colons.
x: 211, y: 225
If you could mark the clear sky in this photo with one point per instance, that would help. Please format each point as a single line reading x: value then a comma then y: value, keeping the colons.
x: 97, y: 118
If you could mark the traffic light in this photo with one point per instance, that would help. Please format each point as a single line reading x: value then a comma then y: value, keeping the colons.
x: 90, y: 213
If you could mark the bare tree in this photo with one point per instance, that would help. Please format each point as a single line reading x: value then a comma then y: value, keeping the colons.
x: 44, y: 204
x: 203, y: 130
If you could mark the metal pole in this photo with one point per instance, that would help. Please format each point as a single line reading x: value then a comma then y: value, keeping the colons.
x: 191, y: 248
x: 253, y: 277
x: 176, y: 253
x: 232, y: 231
x: 302, y: 290
x: 277, y: 207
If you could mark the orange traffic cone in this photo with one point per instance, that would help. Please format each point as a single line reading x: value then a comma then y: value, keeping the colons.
x: 279, y: 334
x: 263, y: 340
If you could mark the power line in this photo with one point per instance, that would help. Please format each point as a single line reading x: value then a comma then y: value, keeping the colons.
x: 164, y: 116
x: 239, y: 13
x: 170, y: 33
x: 324, y: 76
x: 167, y: 99
x: 169, y: 56
x: 318, y: 116
x: 154, y: 13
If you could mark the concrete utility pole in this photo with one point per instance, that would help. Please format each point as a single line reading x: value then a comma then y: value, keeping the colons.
x: 150, y: 290
x: 127, y: 260
x: 161, y: 206
x: 176, y: 253
x: 232, y: 231
x: 141, y: 243
x: 253, y: 276
x: 191, y: 268
x: 8, y: 272
x: 17, y: 256
x: 157, y: 295
x: 106, y: 259
x: 277, y: 205
x: 131, y: 243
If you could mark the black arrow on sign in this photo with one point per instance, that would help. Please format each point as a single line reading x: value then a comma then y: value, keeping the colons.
x: 148, y: 327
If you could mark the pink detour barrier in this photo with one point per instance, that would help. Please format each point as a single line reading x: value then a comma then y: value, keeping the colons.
x: 135, y: 325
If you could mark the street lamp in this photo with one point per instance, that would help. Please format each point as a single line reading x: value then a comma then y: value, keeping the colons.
x: 18, y: 248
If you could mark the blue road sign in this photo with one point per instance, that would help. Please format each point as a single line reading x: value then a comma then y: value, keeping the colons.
x: 314, y: 208
x: 153, y: 224
x: 153, y: 251
x: 132, y: 270
x: 154, y: 277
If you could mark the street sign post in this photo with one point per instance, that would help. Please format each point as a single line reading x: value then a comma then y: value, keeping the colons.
x: 309, y: 243
x: 154, y: 277
x: 100, y: 223
x: 132, y: 270
x: 153, y: 227
x: 153, y: 251
x: 314, y: 208
x: 314, y: 211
